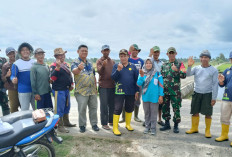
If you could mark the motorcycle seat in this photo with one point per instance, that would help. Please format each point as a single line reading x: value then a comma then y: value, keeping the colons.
x: 22, y: 129
x: 13, y: 117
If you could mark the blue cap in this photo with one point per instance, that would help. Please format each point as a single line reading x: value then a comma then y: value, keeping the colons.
x: 10, y: 49
x: 230, y: 55
x: 104, y: 47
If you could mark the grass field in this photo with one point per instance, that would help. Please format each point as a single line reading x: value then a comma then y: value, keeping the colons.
x: 74, y: 146
x: 223, y: 67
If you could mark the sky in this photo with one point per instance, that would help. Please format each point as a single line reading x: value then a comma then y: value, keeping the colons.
x: 188, y: 25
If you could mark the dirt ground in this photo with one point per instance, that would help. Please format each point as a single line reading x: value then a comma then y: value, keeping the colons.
x: 164, y: 144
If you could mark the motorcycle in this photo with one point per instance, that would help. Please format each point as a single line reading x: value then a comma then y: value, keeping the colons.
x: 28, y: 138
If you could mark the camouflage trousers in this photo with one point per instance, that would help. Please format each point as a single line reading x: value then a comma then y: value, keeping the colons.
x: 4, y: 103
x: 176, y: 104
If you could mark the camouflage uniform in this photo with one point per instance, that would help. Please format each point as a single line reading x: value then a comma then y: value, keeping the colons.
x: 172, y: 89
x: 3, y: 96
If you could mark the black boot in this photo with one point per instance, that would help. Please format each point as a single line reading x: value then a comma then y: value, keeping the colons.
x: 6, y: 112
x: 166, y: 126
x: 176, y: 129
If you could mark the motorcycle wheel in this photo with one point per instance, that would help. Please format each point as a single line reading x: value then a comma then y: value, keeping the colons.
x: 40, y: 148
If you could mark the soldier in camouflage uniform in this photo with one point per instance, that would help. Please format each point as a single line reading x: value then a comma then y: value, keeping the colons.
x: 172, y: 71
x: 3, y: 96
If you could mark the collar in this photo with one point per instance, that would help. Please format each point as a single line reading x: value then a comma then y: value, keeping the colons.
x: 82, y: 60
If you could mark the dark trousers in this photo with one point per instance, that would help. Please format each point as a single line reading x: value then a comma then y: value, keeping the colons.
x: 4, y: 102
x: 106, y: 104
x: 120, y: 100
x: 45, y: 102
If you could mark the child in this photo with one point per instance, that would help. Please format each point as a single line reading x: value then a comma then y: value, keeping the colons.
x: 152, y: 94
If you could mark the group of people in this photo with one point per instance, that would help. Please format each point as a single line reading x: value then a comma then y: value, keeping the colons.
x: 121, y: 86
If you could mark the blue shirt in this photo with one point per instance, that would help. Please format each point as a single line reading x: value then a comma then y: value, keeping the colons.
x: 125, y: 80
x: 227, y: 96
x: 21, y: 69
x: 154, y: 89
x: 138, y: 62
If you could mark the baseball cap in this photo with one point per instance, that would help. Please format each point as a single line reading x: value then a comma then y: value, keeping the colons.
x: 136, y: 47
x: 39, y: 50
x: 171, y: 49
x: 123, y: 51
x: 156, y: 48
x: 104, y: 47
x: 10, y: 49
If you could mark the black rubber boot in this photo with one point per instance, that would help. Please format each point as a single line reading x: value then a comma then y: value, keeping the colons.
x: 166, y: 126
x: 176, y: 129
x: 6, y: 112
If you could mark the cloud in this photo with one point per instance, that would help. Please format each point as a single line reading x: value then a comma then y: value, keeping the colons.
x: 190, y: 26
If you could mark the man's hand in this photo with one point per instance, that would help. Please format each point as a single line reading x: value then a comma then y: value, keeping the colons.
x: 213, y: 102
x: 15, y: 80
x: 71, y: 88
x: 37, y: 97
x: 151, y: 52
x: 58, y: 63
x: 8, y: 73
x: 120, y: 66
x: 174, y: 68
x: 141, y: 72
x: 221, y: 78
x: 104, y: 62
x: 136, y: 96
x: 81, y: 66
x: 160, y: 100
x: 190, y: 61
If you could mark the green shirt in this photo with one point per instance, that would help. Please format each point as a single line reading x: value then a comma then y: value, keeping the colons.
x: 40, y: 79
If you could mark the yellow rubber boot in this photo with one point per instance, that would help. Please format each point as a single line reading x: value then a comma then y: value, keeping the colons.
x: 195, y: 124
x: 207, y: 129
x: 231, y: 144
x: 224, y: 134
x: 115, y: 125
x: 128, y: 120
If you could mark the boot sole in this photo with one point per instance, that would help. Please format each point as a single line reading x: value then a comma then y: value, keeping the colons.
x: 208, y: 137
x: 165, y: 129
x: 222, y: 141
x: 116, y: 134
x: 70, y: 126
x: 192, y: 133
x: 128, y: 129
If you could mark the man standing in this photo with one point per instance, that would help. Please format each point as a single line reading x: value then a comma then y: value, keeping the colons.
x: 172, y: 71
x: 155, y: 52
x: 225, y: 80
x: 205, y: 92
x: 85, y: 89
x: 3, y: 96
x: 106, y: 87
x: 6, y: 73
x: 125, y: 76
x: 62, y: 83
x: 40, y: 81
x: 138, y: 62
x: 20, y: 74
